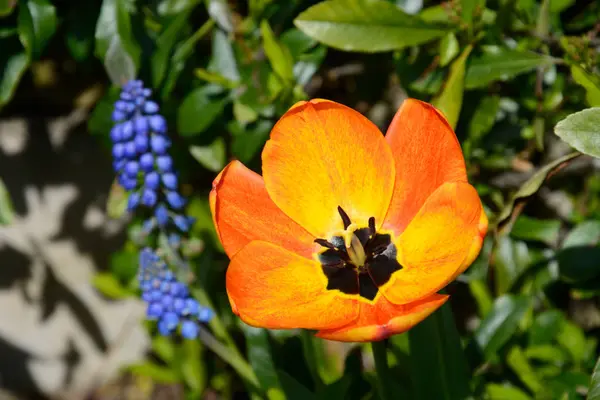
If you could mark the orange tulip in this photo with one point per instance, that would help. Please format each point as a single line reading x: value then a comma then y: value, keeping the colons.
x: 348, y: 232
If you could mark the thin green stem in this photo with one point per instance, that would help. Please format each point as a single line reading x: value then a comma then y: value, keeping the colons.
x: 382, y: 370
x: 308, y: 348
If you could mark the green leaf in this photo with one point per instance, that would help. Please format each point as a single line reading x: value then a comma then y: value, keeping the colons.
x: 278, y: 55
x: 450, y: 99
x: 163, y: 346
x: 259, y: 356
x: 545, y: 327
x: 6, y: 207
x: 37, y: 24
x: 171, y: 7
x: 532, y: 185
x: 115, y: 21
x: 518, y: 362
x: 448, y: 49
x: 545, y: 231
x: 198, y: 111
x: 594, y: 392
x: 223, y: 61
x: 495, y: 391
x: 581, y: 130
x: 365, y: 25
x: 586, y: 233
x: 589, y: 82
x: 500, y: 324
x: 484, y: 118
x: 572, y: 338
x: 191, y: 365
x: 109, y: 286
x: 511, y: 258
x: 12, y: 67
x: 468, y: 7
x: 503, y: 65
x: 164, y: 47
x: 211, y: 157
x: 436, y: 342
x: 156, y: 372
x: 294, y: 390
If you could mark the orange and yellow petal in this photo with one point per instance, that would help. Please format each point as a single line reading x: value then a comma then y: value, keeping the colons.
x: 426, y: 155
x: 242, y: 212
x: 271, y: 287
x: 322, y: 155
x: 440, y: 242
x: 382, y: 319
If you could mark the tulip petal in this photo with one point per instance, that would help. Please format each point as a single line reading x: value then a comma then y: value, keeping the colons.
x: 273, y: 288
x: 383, y: 319
x: 242, y: 212
x: 440, y: 242
x: 322, y: 155
x: 426, y: 154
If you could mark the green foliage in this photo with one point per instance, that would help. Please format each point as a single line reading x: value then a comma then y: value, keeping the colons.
x: 522, y: 321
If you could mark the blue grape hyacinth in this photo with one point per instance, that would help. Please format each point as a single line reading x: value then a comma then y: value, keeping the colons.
x: 141, y: 159
x: 145, y: 169
x: 168, y: 299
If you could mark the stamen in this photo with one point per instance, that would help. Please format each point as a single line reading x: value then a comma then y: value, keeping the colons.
x: 356, y: 252
x: 372, y: 225
x: 325, y: 243
x: 345, y: 217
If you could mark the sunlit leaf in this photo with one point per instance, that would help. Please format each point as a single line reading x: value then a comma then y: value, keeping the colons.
x: 449, y: 49
x: 501, y: 66
x: 594, y: 392
x: 109, y: 286
x: 6, y: 207
x: 590, y: 82
x: 518, y: 362
x: 211, y: 157
x: 198, y: 111
x: 496, y: 391
x: 279, y: 56
x: 582, y: 131
x: 450, y: 99
x: 527, y: 228
x: 365, y: 25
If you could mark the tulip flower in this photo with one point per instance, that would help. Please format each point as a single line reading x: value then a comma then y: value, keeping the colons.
x: 348, y: 232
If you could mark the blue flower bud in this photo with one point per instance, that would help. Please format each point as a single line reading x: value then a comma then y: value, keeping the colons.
x: 133, y: 201
x: 147, y: 162
x: 140, y: 124
x: 178, y: 305
x: 130, y: 151
x: 159, y: 144
x: 171, y: 319
x: 152, y: 180
x: 150, y: 107
x: 116, y: 133
x: 118, y: 150
x: 175, y: 200
x: 191, y: 307
x: 205, y: 314
x: 157, y: 123
x: 148, y: 225
x: 189, y: 330
x: 141, y: 142
x: 174, y: 240
x: 154, y: 310
x: 181, y: 222
x: 169, y: 179
x: 118, y: 165
x: 167, y: 302
x: 162, y: 215
x: 164, y: 163
x: 178, y: 289
x: 127, y: 130
x: 128, y: 183
x: 163, y: 328
x: 149, y: 197
x: 132, y: 168
x: 118, y: 116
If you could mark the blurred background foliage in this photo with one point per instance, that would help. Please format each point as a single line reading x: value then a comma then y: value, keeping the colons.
x: 504, y: 72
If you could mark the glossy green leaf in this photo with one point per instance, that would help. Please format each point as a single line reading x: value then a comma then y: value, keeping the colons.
x: 191, y: 365
x: 572, y: 338
x: 545, y: 327
x: 6, y: 207
x: 449, y: 49
x: 259, y: 356
x: 594, y: 391
x: 109, y: 286
x: 365, y: 25
x: 450, y: 99
x: 220, y: 12
x: 586, y: 233
x: 511, y: 258
x: 37, y: 24
x: 532, y: 185
x: 198, y: 111
x: 496, y: 391
x: 581, y: 130
x: 518, y: 362
x: 278, y: 55
x: 435, y: 341
x: 13, y: 65
x: 501, y: 323
x: 116, y: 204
x: 164, y: 347
x: 171, y: 7
x: 114, y: 29
x: 223, y: 59
x: 545, y: 231
x: 501, y: 65
x: 165, y: 45
x: 469, y: 7
x: 590, y: 82
x: 211, y: 157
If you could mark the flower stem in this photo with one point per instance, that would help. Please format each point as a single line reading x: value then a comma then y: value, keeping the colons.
x: 382, y: 370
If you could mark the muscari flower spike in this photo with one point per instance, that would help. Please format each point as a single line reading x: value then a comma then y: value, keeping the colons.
x: 348, y: 232
x: 169, y: 302
x: 145, y: 169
